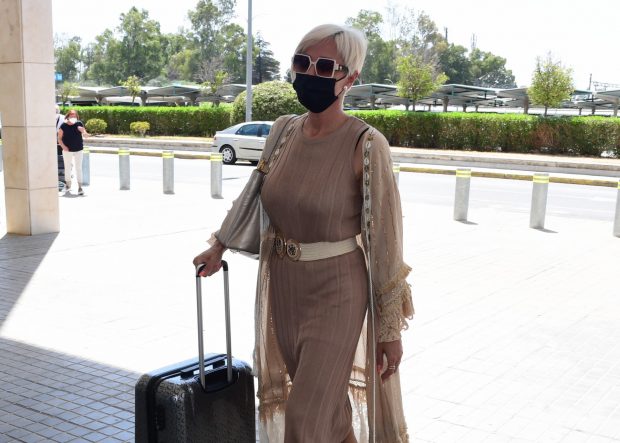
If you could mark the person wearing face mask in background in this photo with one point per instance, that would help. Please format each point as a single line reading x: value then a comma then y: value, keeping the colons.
x: 332, y: 243
x: 70, y: 139
x: 60, y: 119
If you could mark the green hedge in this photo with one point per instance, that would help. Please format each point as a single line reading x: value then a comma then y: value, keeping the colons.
x: 197, y: 121
x: 586, y: 136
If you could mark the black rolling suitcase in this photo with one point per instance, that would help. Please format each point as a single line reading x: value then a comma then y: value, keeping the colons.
x: 194, y: 402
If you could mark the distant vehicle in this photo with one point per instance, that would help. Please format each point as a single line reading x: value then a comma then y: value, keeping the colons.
x: 244, y: 141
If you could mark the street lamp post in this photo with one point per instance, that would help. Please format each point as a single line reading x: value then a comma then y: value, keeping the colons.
x: 248, y: 68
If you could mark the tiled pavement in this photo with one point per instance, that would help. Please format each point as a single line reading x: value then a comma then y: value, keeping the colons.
x: 516, y: 337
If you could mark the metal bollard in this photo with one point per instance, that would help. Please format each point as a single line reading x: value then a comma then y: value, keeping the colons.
x: 617, y: 220
x: 168, y: 159
x: 539, y: 200
x: 216, y: 175
x: 86, y: 166
x: 123, y: 168
x: 396, y: 171
x: 461, y: 194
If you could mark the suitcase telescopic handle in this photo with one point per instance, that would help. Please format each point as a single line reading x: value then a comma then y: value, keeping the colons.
x: 201, y: 351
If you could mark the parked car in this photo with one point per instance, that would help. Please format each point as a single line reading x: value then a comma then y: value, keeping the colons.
x: 244, y: 141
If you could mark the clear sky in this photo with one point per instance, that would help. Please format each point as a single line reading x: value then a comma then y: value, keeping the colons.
x: 583, y: 35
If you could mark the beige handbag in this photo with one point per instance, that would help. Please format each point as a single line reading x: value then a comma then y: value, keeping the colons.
x: 240, y: 230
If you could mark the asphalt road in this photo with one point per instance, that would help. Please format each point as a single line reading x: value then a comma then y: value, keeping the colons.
x: 510, y: 196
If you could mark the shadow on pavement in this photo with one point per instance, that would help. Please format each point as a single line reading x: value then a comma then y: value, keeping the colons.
x: 46, y: 395
x: 20, y: 257
x: 49, y: 396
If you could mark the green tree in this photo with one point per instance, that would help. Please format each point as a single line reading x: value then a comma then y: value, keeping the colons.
x: 489, y: 70
x: 266, y: 67
x: 418, y: 42
x: 380, y: 65
x: 231, y: 42
x: 140, y: 45
x: 104, y: 59
x: 66, y: 90
x: 133, y: 86
x: 207, y: 20
x: 552, y: 83
x: 177, y: 54
x: 367, y: 21
x: 210, y: 87
x: 137, y: 50
x: 417, y: 78
x: 455, y: 63
x: 418, y: 35
x: 180, y: 66
x: 68, y: 56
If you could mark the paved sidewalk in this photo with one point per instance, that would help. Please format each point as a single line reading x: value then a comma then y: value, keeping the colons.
x: 516, y: 337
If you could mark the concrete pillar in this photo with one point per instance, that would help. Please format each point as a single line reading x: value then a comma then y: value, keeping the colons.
x: 446, y: 100
x: 27, y: 99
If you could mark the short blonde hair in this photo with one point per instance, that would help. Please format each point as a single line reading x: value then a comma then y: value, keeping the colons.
x: 350, y: 43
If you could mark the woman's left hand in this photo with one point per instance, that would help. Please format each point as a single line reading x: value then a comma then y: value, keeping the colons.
x: 393, y: 351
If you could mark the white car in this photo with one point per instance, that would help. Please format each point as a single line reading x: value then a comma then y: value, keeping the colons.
x: 244, y: 141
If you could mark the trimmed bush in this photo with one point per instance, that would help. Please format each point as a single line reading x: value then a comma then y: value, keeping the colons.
x: 585, y: 136
x: 139, y: 128
x: 270, y: 100
x: 196, y: 121
x: 96, y: 126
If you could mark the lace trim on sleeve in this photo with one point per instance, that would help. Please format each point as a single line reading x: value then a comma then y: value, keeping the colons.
x: 395, y: 306
x: 212, y: 239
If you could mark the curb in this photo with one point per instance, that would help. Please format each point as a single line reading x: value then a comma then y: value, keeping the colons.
x: 512, y: 176
x: 482, y: 174
x: 153, y: 153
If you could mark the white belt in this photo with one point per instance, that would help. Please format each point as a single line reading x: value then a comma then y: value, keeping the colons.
x: 312, y: 251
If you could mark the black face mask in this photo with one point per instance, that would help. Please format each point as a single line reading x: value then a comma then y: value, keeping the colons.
x: 315, y: 93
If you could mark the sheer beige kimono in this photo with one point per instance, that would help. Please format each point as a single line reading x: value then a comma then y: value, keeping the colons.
x: 382, y: 241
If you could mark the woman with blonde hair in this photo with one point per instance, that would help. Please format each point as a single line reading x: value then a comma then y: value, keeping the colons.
x: 332, y: 296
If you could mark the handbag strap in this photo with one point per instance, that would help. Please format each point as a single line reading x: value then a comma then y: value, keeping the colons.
x: 272, y: 141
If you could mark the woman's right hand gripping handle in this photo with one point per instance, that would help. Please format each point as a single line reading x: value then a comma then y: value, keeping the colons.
x: 211, y: 259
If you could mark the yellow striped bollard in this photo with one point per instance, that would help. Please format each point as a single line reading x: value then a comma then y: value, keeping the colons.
x: 540, y: 187
x: 396, y: 171
x: 617, y: 219
x: 461, y: 194
x: 216, y: 175
x: 168, y: 171
x: 123, y: 168
x: 86, y: 166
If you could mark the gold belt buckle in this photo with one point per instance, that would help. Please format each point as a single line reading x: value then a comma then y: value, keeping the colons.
x: 293, y: 250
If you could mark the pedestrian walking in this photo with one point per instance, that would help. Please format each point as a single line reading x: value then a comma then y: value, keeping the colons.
x: 332, y: 293
x: 70, y: 139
